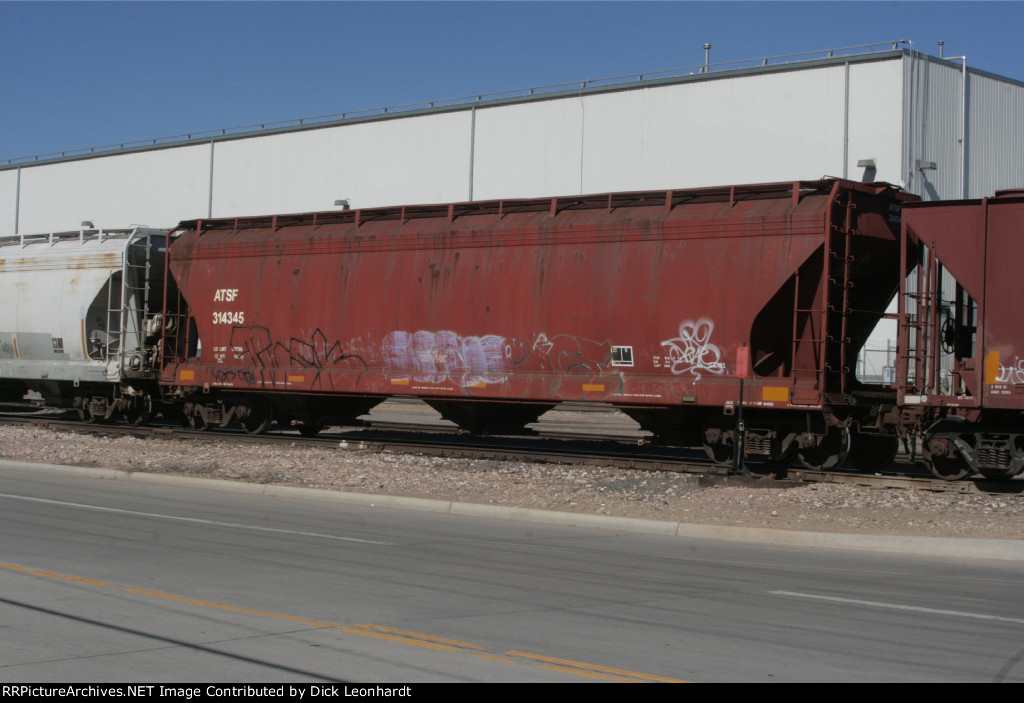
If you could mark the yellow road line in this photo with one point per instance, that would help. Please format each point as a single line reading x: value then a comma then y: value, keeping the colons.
x: 238, y: 609
x: 432, y: 638
x: 589, y: 674
x: 594, y: 667
x: 381, y: 632
x: 496, y: 658
x: 223, y: 606
x: 395, y: 638
x: 357, y: 630
x: 54, y: 575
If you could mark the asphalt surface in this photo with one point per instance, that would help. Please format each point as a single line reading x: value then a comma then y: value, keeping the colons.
x: 162, y: 578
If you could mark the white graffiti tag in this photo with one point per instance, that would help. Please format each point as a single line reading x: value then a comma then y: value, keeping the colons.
x: 692, y: 351
x: 542, y: 345
x: 1012, y: 374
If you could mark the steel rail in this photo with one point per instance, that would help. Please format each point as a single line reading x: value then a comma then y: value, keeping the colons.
x: 437, y: 440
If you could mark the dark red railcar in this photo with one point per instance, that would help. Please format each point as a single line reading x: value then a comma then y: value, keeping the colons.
x: 493, y: 312
x: 961, y: 367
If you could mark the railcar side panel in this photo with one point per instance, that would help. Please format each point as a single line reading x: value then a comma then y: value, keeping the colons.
x: 961, y: 378
x: 642, y: 299
x: 1004, y: 290
x: 72, y: 326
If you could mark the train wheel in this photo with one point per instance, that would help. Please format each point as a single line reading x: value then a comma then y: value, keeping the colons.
x: 93, y: 410
x: 777, y: 466
x: 944, y: 460
x: 258, y: 417
x: 872, y: 452
x: 140, y: 411
x: 949, y: 468
x: 833, y: 450
x: 194, y: 418
x: 719, y: 453
x: 718, y: 438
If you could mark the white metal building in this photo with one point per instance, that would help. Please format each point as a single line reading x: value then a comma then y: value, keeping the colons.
x: 768, y: 120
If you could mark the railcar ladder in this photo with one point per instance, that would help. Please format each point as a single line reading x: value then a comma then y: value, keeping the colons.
x: 930, y: 352
x: 809, y: 317
x: 174, y: 325
x: 824, y: 327
x: 837, y: 262
x: 135, y: 289
x: 920, y: 327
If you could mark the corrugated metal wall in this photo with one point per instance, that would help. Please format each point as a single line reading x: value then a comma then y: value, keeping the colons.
x: 934, y: 94
x: 935, y: 130
x: 797, y: 121
x: 995, y: 148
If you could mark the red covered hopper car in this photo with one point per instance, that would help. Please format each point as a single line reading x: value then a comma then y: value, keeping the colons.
x: 493, y: 312
x: 961, y: 364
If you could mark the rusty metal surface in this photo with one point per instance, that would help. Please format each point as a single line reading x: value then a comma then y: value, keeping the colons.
x: 1004, y: 289
x: 977, y: 243
x: 635, y: 299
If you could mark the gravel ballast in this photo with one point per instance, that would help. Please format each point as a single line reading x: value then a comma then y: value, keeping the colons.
x: 581, y: 489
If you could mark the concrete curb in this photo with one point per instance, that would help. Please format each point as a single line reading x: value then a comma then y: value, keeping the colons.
x: 960, y: 548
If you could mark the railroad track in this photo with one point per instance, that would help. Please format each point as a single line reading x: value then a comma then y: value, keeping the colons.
x: 551, y: 444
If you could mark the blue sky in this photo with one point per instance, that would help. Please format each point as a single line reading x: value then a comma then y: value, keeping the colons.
x: 79, y: 74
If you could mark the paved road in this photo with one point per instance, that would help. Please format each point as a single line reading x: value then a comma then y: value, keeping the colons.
x: 123, y: 581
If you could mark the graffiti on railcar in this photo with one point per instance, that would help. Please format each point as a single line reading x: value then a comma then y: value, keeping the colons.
x: 1014, y: 373
x: 256, y: 345
x: 227, y: 375
x: 444, y: 356
x: 562, y: 353
x: 692, y: 351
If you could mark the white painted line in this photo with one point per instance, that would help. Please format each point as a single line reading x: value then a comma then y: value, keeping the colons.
x: 897, y: 606
x: 194, y: 520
